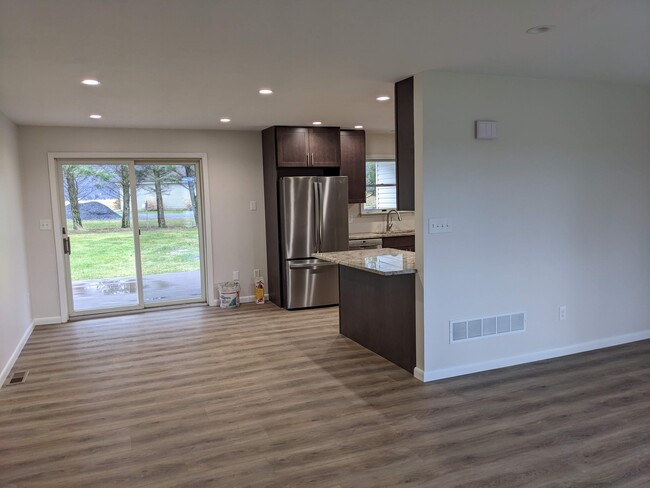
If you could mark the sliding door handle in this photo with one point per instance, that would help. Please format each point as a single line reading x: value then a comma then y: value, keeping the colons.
x: 66, y: 245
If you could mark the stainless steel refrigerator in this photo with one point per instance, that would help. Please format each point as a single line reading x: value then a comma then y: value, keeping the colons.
x: 313, y: 218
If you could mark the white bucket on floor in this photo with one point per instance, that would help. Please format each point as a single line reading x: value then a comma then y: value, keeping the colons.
x: 229, y: 294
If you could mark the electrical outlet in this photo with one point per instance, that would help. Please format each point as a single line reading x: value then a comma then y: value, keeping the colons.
x: 45, y: 224
x: 439, y: 226
x: 256, y: 272
x: 235, y: 275
x: 562, y: 312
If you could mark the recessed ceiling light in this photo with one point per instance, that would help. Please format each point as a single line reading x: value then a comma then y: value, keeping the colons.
x: 265, y: 91
x: 358, y: 126
x: 316, y: 123
x: 225, y: 120
x: 540, y: 29
x: 90, y: 82
x: 383, y: 98
x: 95, y: 116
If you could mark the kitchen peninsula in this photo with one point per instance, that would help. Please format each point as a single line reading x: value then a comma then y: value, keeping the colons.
x: 377, y: 301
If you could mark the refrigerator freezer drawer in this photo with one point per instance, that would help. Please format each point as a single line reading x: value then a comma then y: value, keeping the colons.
x: 311, y: 283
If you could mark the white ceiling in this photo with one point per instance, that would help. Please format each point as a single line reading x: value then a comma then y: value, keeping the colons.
x: 185, y: 64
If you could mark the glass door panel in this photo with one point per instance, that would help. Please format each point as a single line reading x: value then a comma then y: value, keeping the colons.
x: 99, y: 240
x: 170, y: 238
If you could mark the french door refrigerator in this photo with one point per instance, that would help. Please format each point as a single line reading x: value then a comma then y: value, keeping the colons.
x: 313, y: 218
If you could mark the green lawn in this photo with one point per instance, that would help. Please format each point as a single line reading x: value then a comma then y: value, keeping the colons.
x: 109, y: 253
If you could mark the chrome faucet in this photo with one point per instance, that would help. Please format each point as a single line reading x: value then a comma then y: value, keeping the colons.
x: 389, y: 220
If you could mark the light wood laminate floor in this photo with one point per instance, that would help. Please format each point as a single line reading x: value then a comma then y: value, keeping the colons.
x: 264, y: 397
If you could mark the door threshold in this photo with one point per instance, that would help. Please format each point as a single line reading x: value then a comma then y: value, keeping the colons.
x: 122, y: 313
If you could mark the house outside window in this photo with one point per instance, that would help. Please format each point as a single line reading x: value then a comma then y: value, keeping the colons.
x: 381, y: 186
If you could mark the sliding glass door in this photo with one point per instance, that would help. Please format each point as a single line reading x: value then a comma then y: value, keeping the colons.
x: 99, y: 242
x: 170, y: 237
x: 132, y: 235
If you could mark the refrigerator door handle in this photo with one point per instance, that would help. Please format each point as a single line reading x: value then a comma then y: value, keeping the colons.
x: 320, y: 216
x: 312, y: 265
x: 317, y: 214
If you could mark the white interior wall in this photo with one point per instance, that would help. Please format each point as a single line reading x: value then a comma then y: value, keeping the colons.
x: 15, y: 316
x: 378, y: 145
x: 554, y: 212
x: 235, y: 178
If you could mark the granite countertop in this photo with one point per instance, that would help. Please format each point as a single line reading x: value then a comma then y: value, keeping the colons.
x: 384, y: 261
x: 378, y: 235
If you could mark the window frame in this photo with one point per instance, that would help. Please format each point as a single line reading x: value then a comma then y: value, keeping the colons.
x: 381, y: 159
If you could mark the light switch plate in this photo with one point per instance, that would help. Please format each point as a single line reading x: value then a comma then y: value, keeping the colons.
x: 439, y: 226
x: 45, y: 225
x: 252, y: 205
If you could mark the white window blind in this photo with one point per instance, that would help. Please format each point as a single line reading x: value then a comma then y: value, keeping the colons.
x: 381, y: 185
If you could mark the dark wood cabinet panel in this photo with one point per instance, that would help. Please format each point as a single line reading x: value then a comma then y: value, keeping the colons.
x: 292, y: 144
x: 269, y: 154
x: 388, y: 326
x: 405, y: 243
x: 301, y: 147
x: 405, y: 144
x: 353, y: 163
x: 325, y: 146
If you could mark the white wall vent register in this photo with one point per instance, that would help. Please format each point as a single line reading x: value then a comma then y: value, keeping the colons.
x: 462, y: 330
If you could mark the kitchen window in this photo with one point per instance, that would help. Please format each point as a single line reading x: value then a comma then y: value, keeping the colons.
x: 381, y: 186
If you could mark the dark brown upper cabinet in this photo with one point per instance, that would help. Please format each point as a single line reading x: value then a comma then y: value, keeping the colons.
x: 353, y: 163
x: 300, y: 147
x: 405, y: 144
x: 292, y: 144
x: 325, y: 146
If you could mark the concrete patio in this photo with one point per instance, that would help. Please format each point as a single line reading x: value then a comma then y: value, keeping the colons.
x: 122, y: 291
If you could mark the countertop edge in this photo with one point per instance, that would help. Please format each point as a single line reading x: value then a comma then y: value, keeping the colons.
x: 341, y: 262
x: 380, y: 235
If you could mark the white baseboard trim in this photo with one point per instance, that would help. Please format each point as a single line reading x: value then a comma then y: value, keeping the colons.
x: 251, y: 298
x: 245, y: 299
x: 419, y: 374
x: 439, y: 374
x: 6, y: 369
x: 47, y: 320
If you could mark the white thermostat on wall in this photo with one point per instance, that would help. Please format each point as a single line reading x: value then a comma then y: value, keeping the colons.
x: 486, y: 129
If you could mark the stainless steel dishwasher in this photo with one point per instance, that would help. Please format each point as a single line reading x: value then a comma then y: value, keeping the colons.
x: 359, y: 244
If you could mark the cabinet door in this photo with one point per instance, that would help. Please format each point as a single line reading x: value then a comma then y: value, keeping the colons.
x: 353, y: 163
x: 292, y: 145
x: 404, y: 243
x: 325, y: 146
